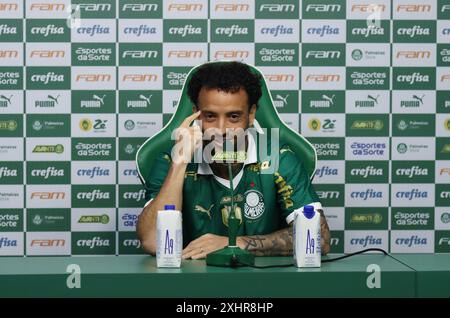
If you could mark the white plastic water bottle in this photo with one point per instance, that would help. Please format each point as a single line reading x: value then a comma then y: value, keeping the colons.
x: 169, y: 237
x: 307, y: 238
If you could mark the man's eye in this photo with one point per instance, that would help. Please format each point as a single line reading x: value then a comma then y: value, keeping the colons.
x: 234, y: 116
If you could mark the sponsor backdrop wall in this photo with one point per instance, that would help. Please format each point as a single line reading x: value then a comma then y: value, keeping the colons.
x: 368, y: 82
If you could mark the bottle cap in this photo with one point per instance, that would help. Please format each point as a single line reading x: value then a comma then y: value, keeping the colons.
x: 308, y: 211
x: 169, y: 207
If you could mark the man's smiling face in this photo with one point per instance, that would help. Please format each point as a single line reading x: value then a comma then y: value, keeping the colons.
x: 225, y: 111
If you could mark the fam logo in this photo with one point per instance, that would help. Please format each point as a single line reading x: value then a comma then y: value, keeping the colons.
x: 51, y: 7
x: 47, y: 54
x: 410, y: 8
x: 185, y: 54
x: 323, y: 55
x: 47, y: 195
x: 139, y: 7
x: 271, y: 8
x: 323, y: 78
x: 93, y: 78
x: 48, y: 242
x: 139, y: 78
x: 140, y: 54
x: 232, y: 7
x: 279, y: 78
x: 185, y: 7
x: 368, y: 8
x: 9, y: 7
x: 239, y: 55
x: 9, y: 54
x: 321, y: 8
x: 415, y: 55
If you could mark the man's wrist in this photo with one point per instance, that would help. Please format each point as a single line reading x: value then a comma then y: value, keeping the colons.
x: 179, y: 165
x: 240, y: 242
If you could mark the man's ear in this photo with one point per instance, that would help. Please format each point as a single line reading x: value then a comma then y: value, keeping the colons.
x: 252, y: 114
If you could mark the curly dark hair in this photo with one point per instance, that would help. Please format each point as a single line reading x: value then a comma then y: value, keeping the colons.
x: 228, y: 77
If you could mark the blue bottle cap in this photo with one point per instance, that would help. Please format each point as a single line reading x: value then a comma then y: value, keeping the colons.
x: 308, y: 211
x: 169, y: 207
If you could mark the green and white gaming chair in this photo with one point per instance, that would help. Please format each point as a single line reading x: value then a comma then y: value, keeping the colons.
x: 266, y: 115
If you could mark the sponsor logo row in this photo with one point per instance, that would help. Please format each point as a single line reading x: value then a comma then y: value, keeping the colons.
x: 98, y: 243
x: 331, y: 148
x: 286, y: 102
x: 290, y: 9
x: 279, y: 78
x: 260, y: 54
x: 223, y: 30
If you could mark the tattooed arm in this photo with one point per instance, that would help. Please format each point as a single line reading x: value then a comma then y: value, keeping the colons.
x: 280, y: 243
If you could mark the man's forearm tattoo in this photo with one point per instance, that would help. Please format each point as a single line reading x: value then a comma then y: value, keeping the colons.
x: 277, y: 243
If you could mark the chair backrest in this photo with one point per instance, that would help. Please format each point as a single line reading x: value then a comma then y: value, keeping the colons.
x: 266, y: 115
